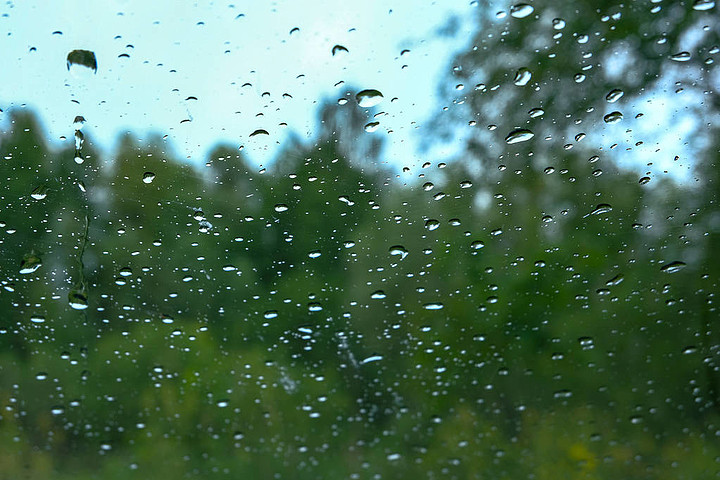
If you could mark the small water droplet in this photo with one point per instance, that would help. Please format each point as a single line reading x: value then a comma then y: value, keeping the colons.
x: 378, y: 295
x: 673, y: 267
x: 37, y: 319
x: 148, y: 177
x: 270, y: 314
x: 519, y: 135
x: 616, y: 280
x: 368, y: 98
x: 281, y: 207
x: 314, y: 254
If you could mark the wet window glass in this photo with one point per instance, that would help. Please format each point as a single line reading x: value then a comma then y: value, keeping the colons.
x: 364, y: 240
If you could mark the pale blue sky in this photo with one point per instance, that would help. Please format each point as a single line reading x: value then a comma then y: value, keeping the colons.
x: 210, y: 50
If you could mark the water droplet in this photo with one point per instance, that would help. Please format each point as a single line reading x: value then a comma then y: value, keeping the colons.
x: 613, y: 117
x: 259, y: 131
x: 599, y: 210
x: 148, y: 177
x: 81, y: 58
x: 79, y: 122
x: 558, y: 23
x: 616, y: 280
x: 466, y: 184
x: 222, y: 403
x: 281, y: 207
x: 432, y: 224
x: 270, y: 314
x: 521, y: 10
x: 399, y: 250
x: 644, y: 180
x: 39, y: 193
x: 57, y: 410
x: 702, y: 5
x: 536, y: 112
x: 433, y: 306
x: 378, y: 295
x: 673, y: 267
x: 427, y: 186
x: 614, y: 95
x: 37, y: 319
x: 368, y: 98
x: 371, y: 358
x: 681, y: 57
x: 518, y: 136
x: 587, y: 343
x: 583, y: 39
x: 30, y: 263
x: 41, y: 376
x: 77, y: 298
x: 689, y: 350
x: 477, y: 244
x: 522, y: 77
x: 314, y: 254
x: 314, y: 307
x: 372, y: 126
x: 337, y: 49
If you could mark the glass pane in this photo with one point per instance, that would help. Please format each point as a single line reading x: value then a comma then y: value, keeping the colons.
x: 360, y: 240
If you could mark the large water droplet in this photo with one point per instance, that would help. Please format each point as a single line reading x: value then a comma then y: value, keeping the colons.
x: 522, y: 77
x: 77, y: 298
x: 614, y: 95
x: 518, y: 136
x: 613, y: 117
x: 672, y: 267
x: 369, y: 98
x: 371, y: 358
x: 433, y: 306
x: 148, y: 177
x: 259, y: 131
x: 337, y: 49
x: 432, y: 224
x: 681, y: 57
x: 702, y: 5
x: 81, y: 58
x: 521, y: 10
x: 399, y: 250
x: 39, y: 192
x: 30, y: 263
x: 599, y: 210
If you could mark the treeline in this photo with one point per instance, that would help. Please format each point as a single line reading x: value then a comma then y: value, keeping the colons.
x: 331, y: 318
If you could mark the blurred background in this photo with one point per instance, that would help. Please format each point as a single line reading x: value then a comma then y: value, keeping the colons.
x: 389, y: 240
